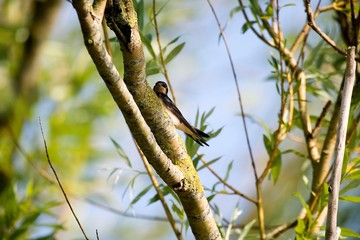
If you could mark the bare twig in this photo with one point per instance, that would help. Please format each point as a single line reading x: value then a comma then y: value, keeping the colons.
x: 237, y: 88
x: 258, y: 187
x: 97, y: 235
x: 259, y: 35
x: 274, y: 233
x: 162, y: 59
x: 321, y: 119
x: 159, y: 193
x: 332, y: 231
x: 51, y: 180
x: 59, y: 183
x: 314, y: 26
x: 235, y: 191
x: 352, y: 128
x: 106, y: 37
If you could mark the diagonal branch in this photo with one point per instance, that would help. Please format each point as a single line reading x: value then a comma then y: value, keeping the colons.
x: 162, y: 59
x: 315, y: 27
x: 91, y: 25
x: 143, y: 113
x: 332, y: 232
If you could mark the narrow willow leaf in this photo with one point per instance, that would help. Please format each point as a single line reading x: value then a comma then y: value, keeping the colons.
x: 140, y: 195
x: 121, y: 152
x: 351, y: 185
x: 355, y: 199
x: 304, y: 204
x: 211, y: 197
x: 174, y: 52
x: 276, y: 166
x: 268, y: 144
x: 235, y: 10
x: 208, y: 163
x: 179, y: 212
x: 346, y: 232
x: 146, y: 40
x: 165, y: 190
x: 139, y: 6
x: 171, y: 42
x: 228, y: 170
x: 246, y: 26
x: 246, y: 229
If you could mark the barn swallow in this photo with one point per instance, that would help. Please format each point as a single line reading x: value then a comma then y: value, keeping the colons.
x: 161, y: 90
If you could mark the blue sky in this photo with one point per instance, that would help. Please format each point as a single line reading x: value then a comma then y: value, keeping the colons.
x: 202, y: 79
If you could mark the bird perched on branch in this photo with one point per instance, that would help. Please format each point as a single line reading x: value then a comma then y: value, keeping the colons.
x: 161, y: 90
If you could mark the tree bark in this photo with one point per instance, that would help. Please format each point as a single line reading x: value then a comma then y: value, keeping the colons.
x: 150, y: 126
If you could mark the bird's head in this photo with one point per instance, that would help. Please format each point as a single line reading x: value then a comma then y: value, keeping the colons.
x: 161, y: 87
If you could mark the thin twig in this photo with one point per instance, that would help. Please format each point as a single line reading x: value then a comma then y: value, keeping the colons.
x: 274, y: 233
x: 321, y: 118
x: 50, y: 179
x: 332, y: 231
x: 314, y: 26
x: 59, y: 183
x: 352, y: 128
x: 237, y: 89
x: 97, y: 235
x: 247, y: 20
x: 162, y: 59
x: 302, y: 37
x: 279, y: 136
x: 159, y: 193
x: 106, y: 37
x: 235, y: 191
x: 353, y: 23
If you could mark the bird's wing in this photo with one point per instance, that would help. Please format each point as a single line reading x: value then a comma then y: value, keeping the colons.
x: 174, y: 110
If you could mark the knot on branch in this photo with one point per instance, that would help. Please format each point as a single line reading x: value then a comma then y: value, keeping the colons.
x: 121, y: 18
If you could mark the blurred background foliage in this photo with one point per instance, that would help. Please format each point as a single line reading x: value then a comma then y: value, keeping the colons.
x: 46, y: 74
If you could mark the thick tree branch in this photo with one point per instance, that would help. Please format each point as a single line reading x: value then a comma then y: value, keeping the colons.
x: 332, y: 232
x: 142, y: 109
x: 91, y: 26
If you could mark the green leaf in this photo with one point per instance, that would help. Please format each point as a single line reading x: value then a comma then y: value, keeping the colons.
x: 146, y: 40
x: 355, y: 199
x: 347, y: 232
x: 305, y: 206
x: 235, y: 10
x: 289, y: 5
x: 197, y: 159
x: 179, y: 212
x: 153, y: 67
x: 217, y: 132
x: 268, y: 144
x: 140, y: 195
x: 246, y: 229
x: 208, y: 163
x: 351, y: 185
x: 211, y: 197
x: 255, y: 8
x: 121, y: 152
x: 300, y: 230
x: 246, y: 26
x: 324, y: 196
x: 171, y: 42
x: 228, y: 170
x: 353, y: 175
x: 165, y: 190
x: 139, y: 7
x: 269, y: 11
x: 131, y: 184
x: 276, y: 166
x: 174, y: 52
